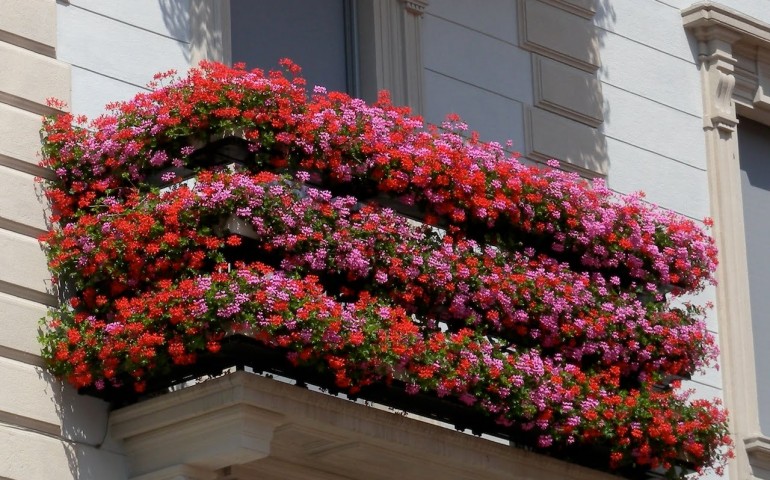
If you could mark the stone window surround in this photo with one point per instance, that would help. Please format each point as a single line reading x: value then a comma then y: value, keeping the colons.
x: 734, y: 61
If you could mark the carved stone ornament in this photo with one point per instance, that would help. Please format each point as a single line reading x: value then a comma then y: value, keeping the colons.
x: 415, y: 7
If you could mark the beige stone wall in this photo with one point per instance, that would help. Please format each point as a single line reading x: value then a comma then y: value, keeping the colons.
x: 46, y: 430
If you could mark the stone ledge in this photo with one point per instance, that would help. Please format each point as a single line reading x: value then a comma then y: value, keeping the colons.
x: 714, y: 19
x: 758, y: 448
x: 244, y: 423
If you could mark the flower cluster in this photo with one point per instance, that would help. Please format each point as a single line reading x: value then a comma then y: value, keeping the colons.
x: 460, y: 181
x: 528, y: 295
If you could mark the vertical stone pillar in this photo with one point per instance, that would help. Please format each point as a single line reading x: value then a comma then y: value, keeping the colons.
x: 391, y: 50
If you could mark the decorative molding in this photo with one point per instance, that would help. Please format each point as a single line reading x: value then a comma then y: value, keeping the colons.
x: 762, y: 96
x: 568, y: 104
x: 567, y: 91
x: 554, y: 32
x: 721, y: 109
x: 719, y: 20
x: 415, y: 7
x: 758, y: 448
x: 205, y: 428
x: 583, y: 8
x: 578, y: 147
x: 390, y: 50
x: 733, y: 49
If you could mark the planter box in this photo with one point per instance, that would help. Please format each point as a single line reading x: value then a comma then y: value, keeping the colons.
x: 242, y: 353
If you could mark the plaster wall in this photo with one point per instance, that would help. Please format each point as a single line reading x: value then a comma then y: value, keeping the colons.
x: 116, y: 47
x: 653, y: 118
x: 86, y: 53
x: 473, y: 67
x: 46, y: 429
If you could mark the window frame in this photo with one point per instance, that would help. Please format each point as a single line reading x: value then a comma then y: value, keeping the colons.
x: 734, y: 62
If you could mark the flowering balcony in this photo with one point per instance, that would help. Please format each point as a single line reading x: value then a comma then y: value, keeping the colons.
x: 226, y: 220
x: 248, y: 426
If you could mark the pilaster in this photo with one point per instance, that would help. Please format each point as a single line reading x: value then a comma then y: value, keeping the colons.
x: 722, y: 33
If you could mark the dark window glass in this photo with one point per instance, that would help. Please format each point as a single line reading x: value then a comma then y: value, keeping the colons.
x: 313, y: 33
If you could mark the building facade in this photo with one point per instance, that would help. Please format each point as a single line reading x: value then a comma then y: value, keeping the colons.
x: 664, y: 96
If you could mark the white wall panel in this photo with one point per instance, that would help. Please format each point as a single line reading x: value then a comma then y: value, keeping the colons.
x: 682, y: 188
x: 165, y: 17
x: 37, y: 457
x: 32, y: 456
x: 500, y: 23
x: 654, y: 127
x: 92, y: 91
x: 649, y: 22
x: 32, y: 395
x: 19, y: 134
x: 21, y: 199
x: 651, y: 73
x: 38, y: 396
x: 116, y: 49
x: 19, y: 323
x: 35, y: 77
x: 495, y: 117
x: 478, y: 59
x: 32, y: 273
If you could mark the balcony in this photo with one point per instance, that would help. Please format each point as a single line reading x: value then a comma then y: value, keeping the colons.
x: 245, y: 426
x: 226, y: 220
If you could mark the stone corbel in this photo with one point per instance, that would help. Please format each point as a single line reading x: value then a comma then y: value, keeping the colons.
x: 197, y: 433
x: 762, y: 96
x: 415, y: 7
x: 718, y: 67
x: 758, y: 448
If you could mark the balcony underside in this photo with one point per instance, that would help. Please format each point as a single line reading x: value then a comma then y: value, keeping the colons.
x: 245, y: 426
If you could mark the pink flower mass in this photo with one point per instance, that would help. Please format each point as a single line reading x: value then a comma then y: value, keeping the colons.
x: 543, y: 301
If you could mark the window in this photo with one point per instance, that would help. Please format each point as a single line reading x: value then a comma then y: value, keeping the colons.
x: 754, y: 150
x: 318, y: 35
x: 358, y: 46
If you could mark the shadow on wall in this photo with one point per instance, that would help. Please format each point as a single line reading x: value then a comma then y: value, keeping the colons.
x: 604, y: 19
x: 90, y: 450
x: 568, y: 113
x: 180, y: 18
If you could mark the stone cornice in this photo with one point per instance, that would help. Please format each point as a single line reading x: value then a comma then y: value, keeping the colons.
x: 716, y: 20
